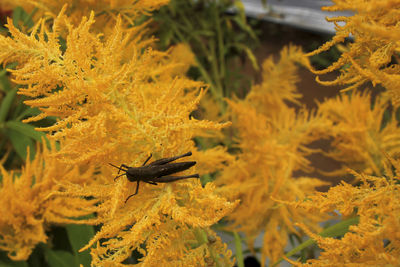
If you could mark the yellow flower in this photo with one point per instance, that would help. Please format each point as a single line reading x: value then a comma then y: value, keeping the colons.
x: 105, y: 10
x: 209, y: 108
x: 374, y: 241
x: 27, y: 206
x: 272, y: 140
x: 374, y: 54
x: 182, y: 55
x: 166, y: 226
x: 111, y: 108
x: 21, y: 224
x: 117, y: 101
x: 360, y: 136
x: 278, y: 81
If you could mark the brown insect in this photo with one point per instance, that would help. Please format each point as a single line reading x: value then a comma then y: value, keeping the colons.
x: 156, y: 172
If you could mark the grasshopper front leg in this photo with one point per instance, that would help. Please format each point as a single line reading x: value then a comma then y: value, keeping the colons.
x: 137, y: 190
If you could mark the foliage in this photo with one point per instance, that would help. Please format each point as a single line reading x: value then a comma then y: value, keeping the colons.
x: 105, y: 117
x: 218, y: 34
x: 100, y: 92
x: 15, y: 135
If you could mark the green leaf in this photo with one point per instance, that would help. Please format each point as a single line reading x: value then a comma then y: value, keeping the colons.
x: 4, y: 80
x: 240, y: 9
x: 3, y: 30
x: 28, y: 18
x: 4, y: 71
x: 336, y: 230
x: 5, y: 84
x: 27, y: 111
x: 245, y: 27
x: 20, y: 143
x: 239, y: 250
x: 19, y: 106
x: 20, y: 15
x: 11, y: 263
x: 6, y: 104
x: 25, y: 129
x: 63, y: 44
x: 249, y: 54
x: 79, y: 236
x: 60, y: 258
x: 206, y: 33
x: 17, y: 16
x: 206, y: 179
x: 340, y: 228
x: 398, y: 114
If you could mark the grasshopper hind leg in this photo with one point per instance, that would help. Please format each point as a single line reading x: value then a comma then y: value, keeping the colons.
x: 168, y: 179
x: 167, y: 160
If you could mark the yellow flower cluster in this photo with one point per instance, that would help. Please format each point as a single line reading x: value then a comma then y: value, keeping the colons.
x: 375, y: 240
x: 105, y: 10
x: 110, y: 107
x: 373, y: 56
x: 116, y: 100
x: 360, y: 136
x: 273, y: 140
x: 363, y: 139
x: 26, y: 205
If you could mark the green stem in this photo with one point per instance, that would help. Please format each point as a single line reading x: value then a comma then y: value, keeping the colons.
x: 201, y: 236
x: 218, y: 72
x: 220, y: 45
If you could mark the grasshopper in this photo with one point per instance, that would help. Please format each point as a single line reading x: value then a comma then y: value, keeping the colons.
x: 156, y: 172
